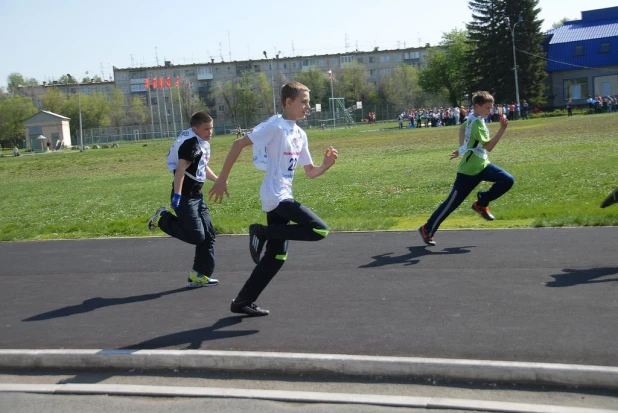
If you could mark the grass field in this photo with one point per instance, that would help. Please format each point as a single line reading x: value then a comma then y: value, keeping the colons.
x: 384, y: 180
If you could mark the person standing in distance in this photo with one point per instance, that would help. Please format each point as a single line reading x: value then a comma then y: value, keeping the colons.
x: 474, y: 168
x: 188, y: 161
x: 285, y: 146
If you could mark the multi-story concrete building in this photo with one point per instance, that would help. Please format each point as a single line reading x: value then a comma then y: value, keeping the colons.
x: 37, y: 92
x: 201, y: 77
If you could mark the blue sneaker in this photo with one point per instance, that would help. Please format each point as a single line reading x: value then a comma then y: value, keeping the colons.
x: 197, y: 280
x: 153, y: 222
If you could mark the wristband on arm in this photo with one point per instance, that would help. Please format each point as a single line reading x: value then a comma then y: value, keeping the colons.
x: 176, y: 200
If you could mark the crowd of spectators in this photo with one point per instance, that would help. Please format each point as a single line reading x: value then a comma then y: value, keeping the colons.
x: 600, y: 104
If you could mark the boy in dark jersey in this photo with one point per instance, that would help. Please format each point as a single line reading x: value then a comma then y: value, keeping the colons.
x: 188, y: 161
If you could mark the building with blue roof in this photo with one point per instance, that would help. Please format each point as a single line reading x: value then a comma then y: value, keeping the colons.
x: 582, y: 58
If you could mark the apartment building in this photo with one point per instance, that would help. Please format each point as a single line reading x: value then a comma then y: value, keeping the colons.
x: 201, y: 77
x: 87, y: 88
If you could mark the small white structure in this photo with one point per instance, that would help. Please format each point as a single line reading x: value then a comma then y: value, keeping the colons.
x: 51, y: 125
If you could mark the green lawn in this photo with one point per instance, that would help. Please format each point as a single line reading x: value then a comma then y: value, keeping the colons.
x: 384, y: 179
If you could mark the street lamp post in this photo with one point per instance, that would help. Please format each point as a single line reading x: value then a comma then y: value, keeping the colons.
x: 272, y: 82
x: 79, y: 103
x: 508, y: 21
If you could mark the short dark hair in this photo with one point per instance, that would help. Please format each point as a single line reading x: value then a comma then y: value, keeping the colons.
x: 200, y: 117
x: 291, y: 90
x: 481, y: 97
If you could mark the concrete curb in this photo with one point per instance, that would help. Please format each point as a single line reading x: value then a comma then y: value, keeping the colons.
x: 294, y: 397
x: 300, y: 363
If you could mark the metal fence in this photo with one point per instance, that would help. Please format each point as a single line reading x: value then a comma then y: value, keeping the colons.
x: 136, y: 133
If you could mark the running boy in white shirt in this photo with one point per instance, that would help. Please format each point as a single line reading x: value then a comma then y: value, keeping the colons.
x: 286, y: 146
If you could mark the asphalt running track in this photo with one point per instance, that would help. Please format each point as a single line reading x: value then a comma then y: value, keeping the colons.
x: 537, y: 295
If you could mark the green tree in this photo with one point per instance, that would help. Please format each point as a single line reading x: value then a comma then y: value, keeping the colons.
x: 13, y: 111
x: 246, y: 98
x: 65, y: 79
x: 560, y: 23
x: 490, y: 60
x: 387, y: 94
x: 446, y: 67
x: 406, y: 83
x: 95, y: 110
x: 183, y: 96
x: 354, y: 83
x: 226, y: 93
x: 264, y: 92
x: 15, y: 81
x: 317, y: 82
x: 117, y: 110
x: 54, y: 101
x: 139, y: 114
x: 244, y: 95
x: 531, y: 66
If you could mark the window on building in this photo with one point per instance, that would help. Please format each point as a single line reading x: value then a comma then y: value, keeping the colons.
x: 576, y: 88
x: 359, y: 59
x: 398, y: 58
x: 283, y: 66
x: 384, y: 59
x: 346, y: 59
x: 153, y: 100
x: 322, y: 63
x: 221, y: 108
x: 216, y: 70
x: 372, y: 59
x: 372, y: 72
x: 605, y: 47
x: 412, y: 55
x: 605, y: 85
x: 579, y: 50
x: 308, y: 62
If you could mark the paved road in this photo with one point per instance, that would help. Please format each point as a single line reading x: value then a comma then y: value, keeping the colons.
x: 546, y: 295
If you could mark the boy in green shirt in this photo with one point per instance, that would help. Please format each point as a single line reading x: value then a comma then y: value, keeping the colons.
x: 473, y: 168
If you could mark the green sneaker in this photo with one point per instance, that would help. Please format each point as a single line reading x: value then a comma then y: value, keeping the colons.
x: 153, y: 222
x: 197, y: 280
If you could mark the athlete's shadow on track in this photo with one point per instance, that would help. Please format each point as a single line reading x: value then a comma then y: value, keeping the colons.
x: 194, y: 338
x: 410, y: 258
x: 95, y: 303
x: 571, y: 277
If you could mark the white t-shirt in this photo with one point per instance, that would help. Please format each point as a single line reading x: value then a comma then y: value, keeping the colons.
x: 286, y: 146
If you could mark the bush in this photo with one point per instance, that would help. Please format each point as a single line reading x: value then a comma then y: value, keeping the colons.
x: 555, y: 113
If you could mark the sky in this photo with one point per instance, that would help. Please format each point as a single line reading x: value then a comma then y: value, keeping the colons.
x: 46, y: 39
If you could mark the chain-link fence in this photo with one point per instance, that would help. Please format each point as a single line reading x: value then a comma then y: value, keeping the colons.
x: 323, y: 119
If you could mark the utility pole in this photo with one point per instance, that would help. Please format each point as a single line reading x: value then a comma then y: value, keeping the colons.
x: 508, y: 21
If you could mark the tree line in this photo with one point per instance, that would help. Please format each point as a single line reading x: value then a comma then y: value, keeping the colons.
x: 477, y: 58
